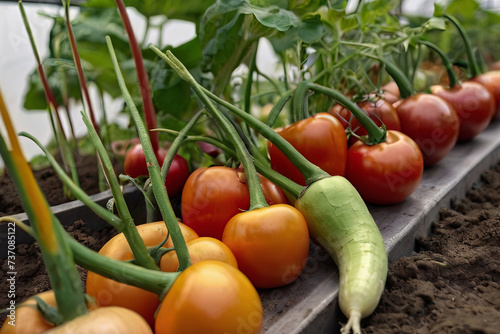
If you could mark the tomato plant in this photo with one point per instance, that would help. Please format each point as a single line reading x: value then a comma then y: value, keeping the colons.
x: 271, y: 244
x: 108, y: 292
x: 320, y: 138
x: 388, y: 172
x: 200, y: 249
x: 210, y: 297
x: 135, y: 165
x: 212, y: 196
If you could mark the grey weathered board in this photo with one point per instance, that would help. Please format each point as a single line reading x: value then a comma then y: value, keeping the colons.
x: 309, y: 305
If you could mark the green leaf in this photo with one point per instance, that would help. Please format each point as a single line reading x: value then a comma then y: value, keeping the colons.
x: 230, y: 28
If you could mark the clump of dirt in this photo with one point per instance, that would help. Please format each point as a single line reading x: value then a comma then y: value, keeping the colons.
x: 452, y: 285
x: 51, y: 185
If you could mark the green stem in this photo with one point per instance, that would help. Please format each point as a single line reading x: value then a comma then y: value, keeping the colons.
x: 405, y: 86
x: 154, y: 281
x: 281, y: 181
x: 64, y: 277
x: 257, y: 198
x: 129, y: 229
x: 333, y: 67
x: 157, y: 182
x: 310, y: 171
x: 277, y: 108
x: 452, y: 78
x: 375, y: 135
x: 176, y: 144
x: 75, y: 189
x: 474, y: 66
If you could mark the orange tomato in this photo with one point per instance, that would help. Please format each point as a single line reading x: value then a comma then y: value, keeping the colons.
x: 210, y: 297
x: 108, y: 292
x: 28, y: 319
x: 212, y: 196
x: 200, y: 249
x: 271, y: 244
x: 105, y: 320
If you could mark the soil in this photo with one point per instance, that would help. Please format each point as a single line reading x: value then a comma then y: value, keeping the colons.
x: 51, y: 185
x: 450, y: 285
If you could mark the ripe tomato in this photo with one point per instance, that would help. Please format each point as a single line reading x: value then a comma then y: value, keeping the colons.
x: 200, y: 249
x: 104, y: 320
x: 320, y: 138
x: 214, y: 195
x: 210, y: 297
x: 135, y: 165
x: 491, y: 80
x: 28, y: 319
x: 380, y: 111
x: 431, y: 122
x: 474, y: 104
x: 388, y: 172
x: 271, y: 244
x: 111, y: 293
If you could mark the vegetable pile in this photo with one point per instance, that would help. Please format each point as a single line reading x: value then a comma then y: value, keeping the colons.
x: 346, y: 124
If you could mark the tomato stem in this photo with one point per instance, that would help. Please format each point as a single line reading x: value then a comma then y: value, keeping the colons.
x: 310, y: 171
x: 376, y: 134
x: 452, y: 77
x: 129, y: 229
x: 147, y: 101
x: 157, y: 182
x: 406, y: 88
x: 257, y: 198
x: 75, y: 189
x: 281, y: 181
x: 176, y: 144
x: 473, y: 64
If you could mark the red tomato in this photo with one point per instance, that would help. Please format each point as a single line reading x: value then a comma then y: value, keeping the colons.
x: 491, y: 80
x: 320, y: 138
x: 388, y: 172
x: 200, y: 249
x: 431, y: 122
x: 271, y: 244
x: 210, y: 297
x: 135, y: 165
x: 111, y: 293
x: 380, y: 111
x: 474, y: 104
x: 212, y: 196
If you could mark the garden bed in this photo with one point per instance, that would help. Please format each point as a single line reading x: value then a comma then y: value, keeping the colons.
x: 309, y: 305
